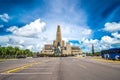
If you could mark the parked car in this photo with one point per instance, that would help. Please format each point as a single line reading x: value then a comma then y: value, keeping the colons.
x: 20, y: 56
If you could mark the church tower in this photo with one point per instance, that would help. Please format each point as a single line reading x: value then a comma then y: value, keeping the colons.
x: 58, y: 34
x: 58, y: 43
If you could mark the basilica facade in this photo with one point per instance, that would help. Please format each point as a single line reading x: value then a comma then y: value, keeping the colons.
x: 59, y: 47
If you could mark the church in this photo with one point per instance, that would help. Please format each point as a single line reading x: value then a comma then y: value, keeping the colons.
x: 59, y: 47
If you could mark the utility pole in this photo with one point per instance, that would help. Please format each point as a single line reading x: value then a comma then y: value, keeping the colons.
x: 93, y: 49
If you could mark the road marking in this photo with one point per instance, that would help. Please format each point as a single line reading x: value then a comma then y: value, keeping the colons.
x: 22, y: 67
x: 25, y: 73
x: 82, y: 66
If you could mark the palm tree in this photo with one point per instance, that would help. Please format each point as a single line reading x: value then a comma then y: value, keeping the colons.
x: 27, y: 51
x: 16, y: 51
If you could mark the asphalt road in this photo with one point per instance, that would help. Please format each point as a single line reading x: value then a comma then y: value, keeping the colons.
x: 65, y: 68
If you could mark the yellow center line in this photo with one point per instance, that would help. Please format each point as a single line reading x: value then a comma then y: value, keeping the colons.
x: 23, y: 67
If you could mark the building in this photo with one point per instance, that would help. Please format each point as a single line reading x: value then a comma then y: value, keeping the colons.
x: 59, y: 47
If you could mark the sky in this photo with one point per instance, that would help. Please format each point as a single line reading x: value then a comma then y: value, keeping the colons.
x: 29, y: 24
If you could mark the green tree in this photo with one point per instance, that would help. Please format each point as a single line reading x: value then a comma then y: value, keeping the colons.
x: 16, y: 51
x: 13, y: 52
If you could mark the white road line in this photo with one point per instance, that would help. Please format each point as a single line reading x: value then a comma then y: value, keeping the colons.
x: 82, y: 66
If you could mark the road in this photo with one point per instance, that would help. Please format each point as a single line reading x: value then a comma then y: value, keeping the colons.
x: 64, y: 68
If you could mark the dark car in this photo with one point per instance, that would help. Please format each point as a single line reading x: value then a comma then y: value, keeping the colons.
x: 20, y: 56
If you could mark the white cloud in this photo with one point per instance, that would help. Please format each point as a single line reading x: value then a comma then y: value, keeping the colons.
x: 75, y: 32
x: 106, y: 42
x: 21, y: 41
x: 91, y: 41
x: 10, y: 40
x: 112, y: 27
x: 12, y: 29
x: 70, y: 16
x: 29, y: 30
x: 26, y: 34
x: 73, y: 21
x: 34, y: 44
x: 31, y: 36
x: 69, y: 31
x: 1, y: 26
x: 29, y: 47
x: 87, y: 44
x: 116, y: 35
x: 24, y: 37
x: 109, y: 40
x: 36, y: 34
x: 4, y: 17
x: 112, y: 41
x: 3, y: 40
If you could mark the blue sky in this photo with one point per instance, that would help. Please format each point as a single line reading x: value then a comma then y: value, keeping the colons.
x: 32, y: 23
